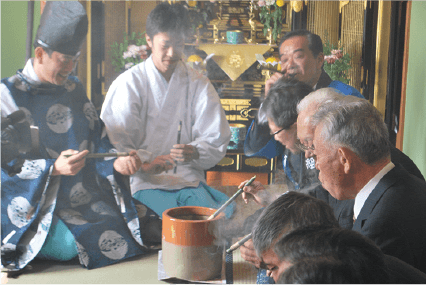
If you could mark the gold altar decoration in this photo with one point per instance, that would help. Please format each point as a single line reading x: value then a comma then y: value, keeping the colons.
x: 226, y: 161
x: 382, y: 53
x: 351, y: 37
x: 242, y: 15
x: 242, y: 106
x: 253, y: 25
x: 297, y: 6
x: 256, y: 161
x: 323, y: 19
x: 234, y: 59
x: 342, y: 4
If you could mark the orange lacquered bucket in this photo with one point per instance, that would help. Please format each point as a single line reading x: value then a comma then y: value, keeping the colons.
x: 192, y: 246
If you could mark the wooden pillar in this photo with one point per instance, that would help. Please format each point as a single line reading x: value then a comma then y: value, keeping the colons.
x: 400, y: 134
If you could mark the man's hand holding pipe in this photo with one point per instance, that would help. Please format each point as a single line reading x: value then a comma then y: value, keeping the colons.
x: 69, y: 165
x: 128, y: 165
x: 255, y: 191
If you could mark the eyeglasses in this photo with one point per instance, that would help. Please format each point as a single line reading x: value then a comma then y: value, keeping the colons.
x: 66, y: 59
x: 303, y: 147
x: 277, y: 132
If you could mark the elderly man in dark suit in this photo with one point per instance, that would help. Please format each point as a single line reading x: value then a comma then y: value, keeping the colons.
x: 352, y: 150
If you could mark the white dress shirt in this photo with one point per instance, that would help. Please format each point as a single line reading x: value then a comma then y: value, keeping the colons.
x: 368, y: 188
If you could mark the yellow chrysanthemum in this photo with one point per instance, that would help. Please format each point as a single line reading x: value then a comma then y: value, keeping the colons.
x: 192, y: 3
x: 273, y: 59
x: 280, y: 3
x: 194, y: 58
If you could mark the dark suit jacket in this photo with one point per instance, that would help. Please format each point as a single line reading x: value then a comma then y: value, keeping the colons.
x: 394, y: 217
x: 402, y: 273
x: 343, y: 210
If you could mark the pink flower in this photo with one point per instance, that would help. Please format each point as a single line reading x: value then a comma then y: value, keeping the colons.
x: 128, y: 65
x: 330, y: 59
x: 127, y: 54
x: 261, y: 3
x: 337, y: 52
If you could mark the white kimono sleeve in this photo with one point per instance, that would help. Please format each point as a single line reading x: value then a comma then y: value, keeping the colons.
x: 121, y: 115
x: 210, y: 129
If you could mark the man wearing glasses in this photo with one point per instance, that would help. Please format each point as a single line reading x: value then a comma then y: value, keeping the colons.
x: 302, y: 58
x: 280, y: 110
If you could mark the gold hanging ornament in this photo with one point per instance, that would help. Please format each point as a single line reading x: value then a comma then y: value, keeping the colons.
x: 297, y: 6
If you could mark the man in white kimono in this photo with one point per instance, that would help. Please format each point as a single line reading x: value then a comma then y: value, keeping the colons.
x: 143, y: 110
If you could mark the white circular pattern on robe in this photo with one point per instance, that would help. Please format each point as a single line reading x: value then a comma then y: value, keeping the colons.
x: 102, y: 208
x: 90, y: 113
x: 72, y: 217
x: 113, y: 245
x: 59, y: 118
x: 17, y: 211
x: 82, y: 254
x: 28, y: 115
x: 135, y: 229
x: 79, y: 195
x: 32, y: 169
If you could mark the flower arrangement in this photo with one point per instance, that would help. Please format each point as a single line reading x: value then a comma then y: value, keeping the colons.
x: 131, y: 51
x: 336, y: 62
x: 270, y: 16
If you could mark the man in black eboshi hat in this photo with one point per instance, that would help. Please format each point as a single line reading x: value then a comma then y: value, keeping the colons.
x: 62, y: 204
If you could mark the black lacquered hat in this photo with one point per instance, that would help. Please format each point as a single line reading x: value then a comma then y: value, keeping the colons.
x: 63, y: 27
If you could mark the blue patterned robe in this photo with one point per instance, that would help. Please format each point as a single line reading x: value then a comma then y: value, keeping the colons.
x: 95, y: 204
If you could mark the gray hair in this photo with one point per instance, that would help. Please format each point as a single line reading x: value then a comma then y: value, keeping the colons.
x: 355, y: 124
x: 289, y: 211
x: 318, y: 97
x: 361, y: 260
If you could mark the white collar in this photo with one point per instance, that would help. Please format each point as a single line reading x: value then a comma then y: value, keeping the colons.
x: 362, y: 196
x: 29, y: 71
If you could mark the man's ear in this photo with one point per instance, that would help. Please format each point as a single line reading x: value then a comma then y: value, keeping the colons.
x: 345, y: 159
x: 148, y: 41
x: 38, y: 54
x: 320, y: 60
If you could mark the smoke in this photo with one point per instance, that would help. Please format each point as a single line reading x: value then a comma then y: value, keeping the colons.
x: 247, y: 214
